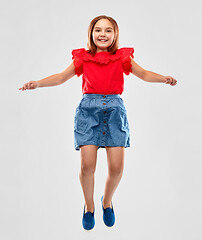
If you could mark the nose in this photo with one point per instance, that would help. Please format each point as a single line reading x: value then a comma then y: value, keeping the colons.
x: 102, y: 33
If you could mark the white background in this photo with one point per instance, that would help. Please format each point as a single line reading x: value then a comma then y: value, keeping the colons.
x: 160, y: 194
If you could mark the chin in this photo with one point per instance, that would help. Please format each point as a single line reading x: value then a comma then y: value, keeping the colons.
x: 102, y: 47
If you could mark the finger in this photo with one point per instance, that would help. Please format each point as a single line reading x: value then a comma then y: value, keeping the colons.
x: 168, y: 79
x: 171, y: 81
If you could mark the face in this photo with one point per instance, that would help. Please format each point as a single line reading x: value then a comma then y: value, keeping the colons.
x: 103, y: 34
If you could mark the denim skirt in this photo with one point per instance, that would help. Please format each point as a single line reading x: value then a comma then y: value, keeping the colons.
x: 101, y: 120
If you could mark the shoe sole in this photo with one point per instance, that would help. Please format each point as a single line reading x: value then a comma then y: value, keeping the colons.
x: 88, y: 230
x: 108, y: 226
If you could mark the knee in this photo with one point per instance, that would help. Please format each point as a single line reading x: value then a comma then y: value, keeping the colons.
x: 87, y: 169
x: 116, y: 170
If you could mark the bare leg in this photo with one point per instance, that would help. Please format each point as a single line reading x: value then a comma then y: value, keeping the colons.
x: 86, y: 175
x: 115, y: 158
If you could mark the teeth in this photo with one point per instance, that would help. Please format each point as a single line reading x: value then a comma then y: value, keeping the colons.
x: 103, y: 40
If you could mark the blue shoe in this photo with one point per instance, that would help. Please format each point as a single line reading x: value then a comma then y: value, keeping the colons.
x: 88, y: 220
x: 108, y: 215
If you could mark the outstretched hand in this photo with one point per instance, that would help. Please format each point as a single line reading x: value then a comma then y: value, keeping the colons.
x: 169, y: 80
x: 29, y: 85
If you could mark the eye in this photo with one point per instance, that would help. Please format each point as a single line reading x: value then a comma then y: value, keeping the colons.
x: 99, y: 30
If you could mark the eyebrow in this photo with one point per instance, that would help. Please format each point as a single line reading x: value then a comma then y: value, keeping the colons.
x: 106, y: 28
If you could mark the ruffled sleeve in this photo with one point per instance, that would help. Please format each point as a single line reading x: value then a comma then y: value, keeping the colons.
x: 77, y: 56
x: 126, y: 61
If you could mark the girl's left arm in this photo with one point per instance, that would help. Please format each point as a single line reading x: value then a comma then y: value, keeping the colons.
x: 149, y: 76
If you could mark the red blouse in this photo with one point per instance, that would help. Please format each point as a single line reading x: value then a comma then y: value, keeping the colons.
x: 103, y: 73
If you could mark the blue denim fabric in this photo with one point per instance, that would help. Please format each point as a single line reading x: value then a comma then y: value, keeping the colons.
x: 101, y: 120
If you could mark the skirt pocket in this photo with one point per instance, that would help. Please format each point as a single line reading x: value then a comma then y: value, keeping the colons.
x: 80, y: 120
x: 124, y: 125
x: 80, y: 125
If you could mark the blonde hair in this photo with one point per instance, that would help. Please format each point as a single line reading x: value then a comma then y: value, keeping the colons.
x: 91, y: 45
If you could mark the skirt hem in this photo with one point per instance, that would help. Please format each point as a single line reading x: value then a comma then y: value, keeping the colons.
x: 77, y: 148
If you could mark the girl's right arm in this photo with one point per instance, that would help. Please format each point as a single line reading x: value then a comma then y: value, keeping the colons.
x: 52, y: 80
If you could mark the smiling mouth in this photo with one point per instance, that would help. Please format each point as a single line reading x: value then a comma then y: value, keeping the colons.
x: 102, y: 40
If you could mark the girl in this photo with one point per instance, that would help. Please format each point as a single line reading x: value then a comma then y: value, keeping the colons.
x: 101, y: 118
